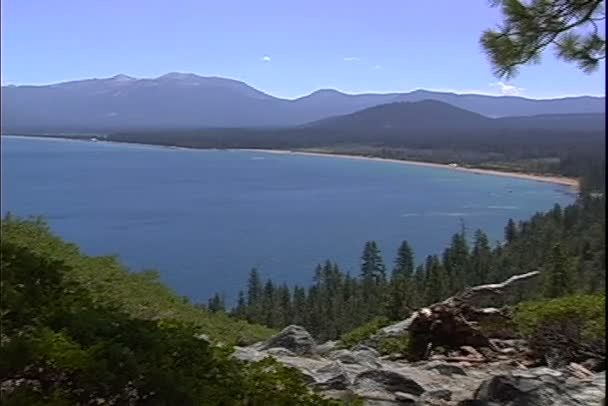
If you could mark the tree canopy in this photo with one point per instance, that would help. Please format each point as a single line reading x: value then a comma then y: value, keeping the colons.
x: 570, y: 26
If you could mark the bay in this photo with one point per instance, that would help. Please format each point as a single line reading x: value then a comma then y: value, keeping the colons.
x: 204, y: 218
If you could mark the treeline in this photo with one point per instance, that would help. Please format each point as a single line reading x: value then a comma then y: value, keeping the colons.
x: 566, y: 244
x: 567, y: 152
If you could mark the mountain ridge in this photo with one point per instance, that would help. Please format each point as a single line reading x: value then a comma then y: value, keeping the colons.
x: 186, y: 100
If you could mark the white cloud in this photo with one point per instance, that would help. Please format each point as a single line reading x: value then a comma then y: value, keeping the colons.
x: 266, y: 58
x: 352, y: 59
x: 377, y: 67
x: 508, y: 90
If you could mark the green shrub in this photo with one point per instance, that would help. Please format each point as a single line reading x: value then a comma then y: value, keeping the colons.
x: 393, y: 345
x: 62, y: 345
x: 565, y: 329
x: 590, y: 309
x: 363, y: 332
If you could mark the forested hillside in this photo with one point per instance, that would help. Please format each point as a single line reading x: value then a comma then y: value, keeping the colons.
x: 82, y: 330
x: 566, y: 244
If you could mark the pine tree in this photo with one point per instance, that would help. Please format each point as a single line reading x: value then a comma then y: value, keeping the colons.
x: 510, y: 231
x: 240, y: 311
x: 268, y: 303
x: 373, y: 278
x: 401, y: 293
x: 481, y: 259
x: 254, y: 297
x: 558, y: 277
x: 216, y: 303
x: 436, y: 282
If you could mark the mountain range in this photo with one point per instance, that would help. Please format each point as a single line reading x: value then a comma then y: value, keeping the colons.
x: 184, y: 100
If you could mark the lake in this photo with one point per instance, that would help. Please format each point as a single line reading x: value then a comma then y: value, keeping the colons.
x: 204, y: 218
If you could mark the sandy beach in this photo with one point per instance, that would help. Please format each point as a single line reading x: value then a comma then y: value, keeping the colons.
x: 559, y: 180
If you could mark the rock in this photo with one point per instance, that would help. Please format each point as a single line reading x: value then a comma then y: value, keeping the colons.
x: 406, y: 398
x: 331, y: 377
x: 442, y: 394
x: 248, y: 354
x: 444, y: 368
x: 399, y: 328
x: 293, y: 338
x: 280, y: 352
x: 362, y: 347
x: 579, y: 371
x: 364, y: 358
x: 541, y: 387
x: 326, y: 347
x: 384, y: 380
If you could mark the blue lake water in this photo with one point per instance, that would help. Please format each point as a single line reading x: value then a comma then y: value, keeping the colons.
x: 204, y: 218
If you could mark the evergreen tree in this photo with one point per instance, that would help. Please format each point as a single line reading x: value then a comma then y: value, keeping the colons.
x: 481, y: 258
x: 436, y: 282
x: 254, y: 297
x: 571, y: 26
x: 401, y: 293
x: 240, y: 311
x: 216, y: 303
x: 373, y: 279
x: 510, y: 231
x: 558, y: 277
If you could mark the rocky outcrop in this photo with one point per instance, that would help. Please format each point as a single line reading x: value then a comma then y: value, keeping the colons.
x: 460, y: 378
x: 540, y: 387
x: 293, y: 338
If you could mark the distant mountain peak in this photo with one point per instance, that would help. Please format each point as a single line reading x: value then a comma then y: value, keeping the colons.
x: 122, y: 78
x: 179, y: 76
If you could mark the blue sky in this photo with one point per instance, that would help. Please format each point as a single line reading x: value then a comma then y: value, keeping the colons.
x: 285, y: 48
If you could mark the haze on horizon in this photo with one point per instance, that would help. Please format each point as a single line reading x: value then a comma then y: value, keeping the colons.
x: 286, y: 50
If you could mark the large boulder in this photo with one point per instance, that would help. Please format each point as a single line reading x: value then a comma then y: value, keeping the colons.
x: 293, y: 338
x: 539, y: 387
x: 383, y: 380
x: 364, y: 358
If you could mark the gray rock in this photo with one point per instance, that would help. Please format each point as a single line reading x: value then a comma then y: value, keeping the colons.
x: 382, y: 380
x: 326, y: 347
x: 443, y: 394
x: 445, y: 368
x: 539, y: 387
x: 248, y: 354
x: 363, y: 347
x: 364, y: 358
x: 293, y: 338
x: 332, y: 377
x: 280, y: 352
x: 406, y: 398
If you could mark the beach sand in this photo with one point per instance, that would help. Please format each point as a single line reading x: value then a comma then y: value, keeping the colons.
x: 559, y: 180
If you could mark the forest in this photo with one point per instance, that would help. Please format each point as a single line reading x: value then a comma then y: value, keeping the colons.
x: 567, y: 244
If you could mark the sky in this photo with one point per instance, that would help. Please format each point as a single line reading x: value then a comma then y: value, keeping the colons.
x: 284, y: 48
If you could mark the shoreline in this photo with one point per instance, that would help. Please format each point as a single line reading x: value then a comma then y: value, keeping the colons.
x: 555, y: 179
x: 571, y: 183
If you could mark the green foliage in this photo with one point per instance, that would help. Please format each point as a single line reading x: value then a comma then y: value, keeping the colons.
x: 140, y: 294
x: 62, y: 345
x: 528, y: 28
x: 566, y: 244
x: 591, y: 309
x: 393, y: 345
x: 363, y: 332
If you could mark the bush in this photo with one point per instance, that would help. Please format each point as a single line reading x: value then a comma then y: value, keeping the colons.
x: 565, y: 329
x: 363, y: 332
x: 62, y: 346
x: 393, y: 345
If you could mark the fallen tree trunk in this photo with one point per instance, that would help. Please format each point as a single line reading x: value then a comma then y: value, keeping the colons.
x: 453, y: 323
